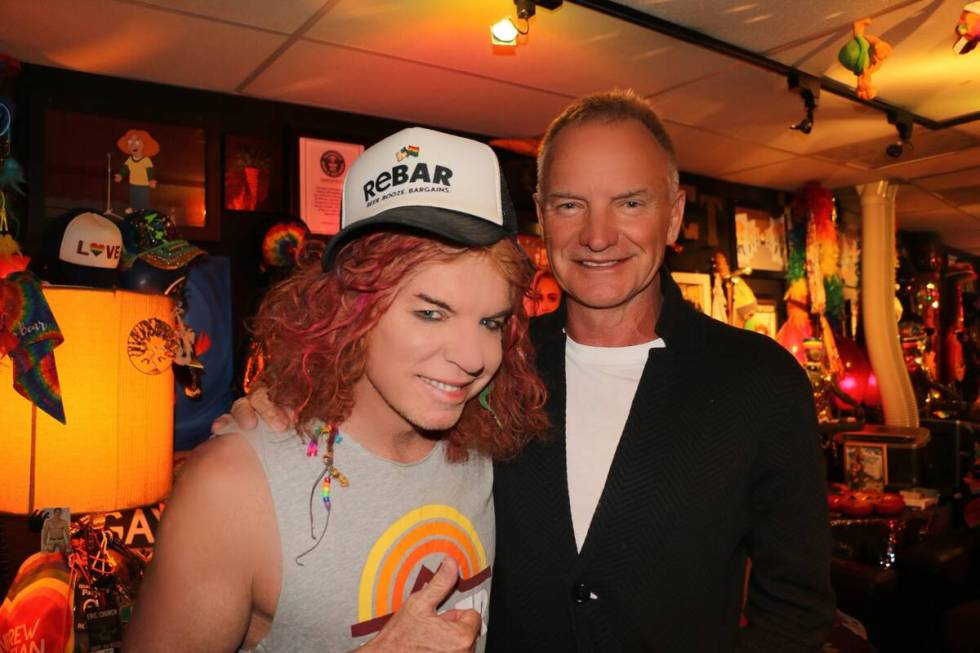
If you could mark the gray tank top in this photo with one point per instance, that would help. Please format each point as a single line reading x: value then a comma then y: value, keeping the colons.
x: 388, y: 532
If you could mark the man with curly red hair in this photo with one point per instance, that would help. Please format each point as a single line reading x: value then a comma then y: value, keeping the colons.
x: 403, y: 354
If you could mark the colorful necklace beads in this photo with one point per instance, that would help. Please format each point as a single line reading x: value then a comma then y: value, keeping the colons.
x: 333, y: 437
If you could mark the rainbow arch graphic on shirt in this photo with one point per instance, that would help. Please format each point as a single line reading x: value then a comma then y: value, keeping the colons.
x: 419, y: 533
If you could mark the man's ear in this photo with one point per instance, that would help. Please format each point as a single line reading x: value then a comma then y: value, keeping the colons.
x: 676, y: 216
x: 539, y: 211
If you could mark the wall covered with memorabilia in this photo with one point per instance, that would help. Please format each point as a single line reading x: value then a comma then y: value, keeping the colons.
x: 222, y: 167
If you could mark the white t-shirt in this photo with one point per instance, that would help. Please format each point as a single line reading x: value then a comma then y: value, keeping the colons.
x: 601, y: 383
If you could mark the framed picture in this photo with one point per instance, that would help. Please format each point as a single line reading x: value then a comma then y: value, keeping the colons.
x: 56, y: 530
x: 764, y: 319
x: 252, y: 174
x: 119, y: 165
x: 696, y: 289
x: 760, y: 240
x: 865, y: 465
x: 323, y: 166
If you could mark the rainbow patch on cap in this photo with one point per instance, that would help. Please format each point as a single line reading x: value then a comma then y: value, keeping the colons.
x: 407, y: 151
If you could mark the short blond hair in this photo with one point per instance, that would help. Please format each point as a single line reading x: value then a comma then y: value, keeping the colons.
x: 609, y: 107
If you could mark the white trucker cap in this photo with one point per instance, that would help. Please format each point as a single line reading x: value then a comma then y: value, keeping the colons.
x: 425, y: 180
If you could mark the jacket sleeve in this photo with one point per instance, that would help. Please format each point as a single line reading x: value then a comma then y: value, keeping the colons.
x: 790, y: 603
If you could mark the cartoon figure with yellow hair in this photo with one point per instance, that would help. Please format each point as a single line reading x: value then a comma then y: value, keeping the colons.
x: 138, y: 168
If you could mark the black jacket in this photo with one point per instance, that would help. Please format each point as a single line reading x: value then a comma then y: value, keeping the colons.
x: 719, y: 461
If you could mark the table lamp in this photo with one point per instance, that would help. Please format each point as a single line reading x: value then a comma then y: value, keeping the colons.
x: 116, y: 449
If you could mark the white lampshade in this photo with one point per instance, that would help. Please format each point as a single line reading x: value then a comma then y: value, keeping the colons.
x: 116, y: 450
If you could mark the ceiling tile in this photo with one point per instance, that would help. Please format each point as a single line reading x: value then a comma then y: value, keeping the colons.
x: 958, y: 179
x: 925, y: 144
x: 791, y: 174
x: 911, y: 199
x: 759, y: 25
x: 937, y: 166
x: 755, y: 105
x: 572, y: 50
x: 285, y: 16
x: 134, y: 41
x: 339, y: 78
x: 715, y: 155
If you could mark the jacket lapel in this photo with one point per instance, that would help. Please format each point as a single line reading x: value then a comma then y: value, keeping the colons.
x: 547, y: 460
x: 639, y: 500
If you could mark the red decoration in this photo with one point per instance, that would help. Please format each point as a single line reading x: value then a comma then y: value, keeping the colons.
x: 13, y: 263
x: 857, y: 371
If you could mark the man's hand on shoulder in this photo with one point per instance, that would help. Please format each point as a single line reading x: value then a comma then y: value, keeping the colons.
x: 245, y: 414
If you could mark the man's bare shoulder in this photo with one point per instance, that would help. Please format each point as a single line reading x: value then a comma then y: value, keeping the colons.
x: 220, y: 463
x: 222, y: 481
x: 218, y: 536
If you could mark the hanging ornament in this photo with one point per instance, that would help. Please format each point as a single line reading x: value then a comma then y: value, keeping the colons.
x: 813, y: 273
x: 863, y: 55
x: 967, y: 29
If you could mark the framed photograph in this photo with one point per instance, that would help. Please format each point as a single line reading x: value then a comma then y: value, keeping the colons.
x: 120, y: 165
x: 760, y: 240
x: 764, y: 319
x: 56, y: 530
x: 865, y: 465
x: 323, y: 166
x: 696, y: 288
x: 252, y: 174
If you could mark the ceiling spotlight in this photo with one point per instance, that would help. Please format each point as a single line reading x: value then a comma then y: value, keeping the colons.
x: 903, y: 125
x: 808, y: 88
x: 506, y: 31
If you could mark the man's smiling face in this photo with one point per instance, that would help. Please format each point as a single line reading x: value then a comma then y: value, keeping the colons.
x: 608, y: 210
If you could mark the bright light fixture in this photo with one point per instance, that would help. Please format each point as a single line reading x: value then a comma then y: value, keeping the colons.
x: 504, y: 32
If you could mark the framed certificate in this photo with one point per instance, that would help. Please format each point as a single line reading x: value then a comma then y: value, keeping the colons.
x: 323, y: 166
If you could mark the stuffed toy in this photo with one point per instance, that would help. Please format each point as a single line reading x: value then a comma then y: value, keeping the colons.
x: 968, y: 29
x: 863, y: 55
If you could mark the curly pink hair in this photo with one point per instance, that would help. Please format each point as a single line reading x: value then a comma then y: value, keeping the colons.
x: 313, y: 330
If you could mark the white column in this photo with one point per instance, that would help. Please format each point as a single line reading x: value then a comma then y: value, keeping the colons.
x: 878, y: 303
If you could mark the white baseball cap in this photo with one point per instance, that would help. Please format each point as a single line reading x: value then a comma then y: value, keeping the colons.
x: 425, y: 180
x: 91, y: 240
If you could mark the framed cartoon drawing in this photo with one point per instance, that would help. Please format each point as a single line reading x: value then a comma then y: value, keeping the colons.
x: 696, y: 289
x: 119, y: 165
